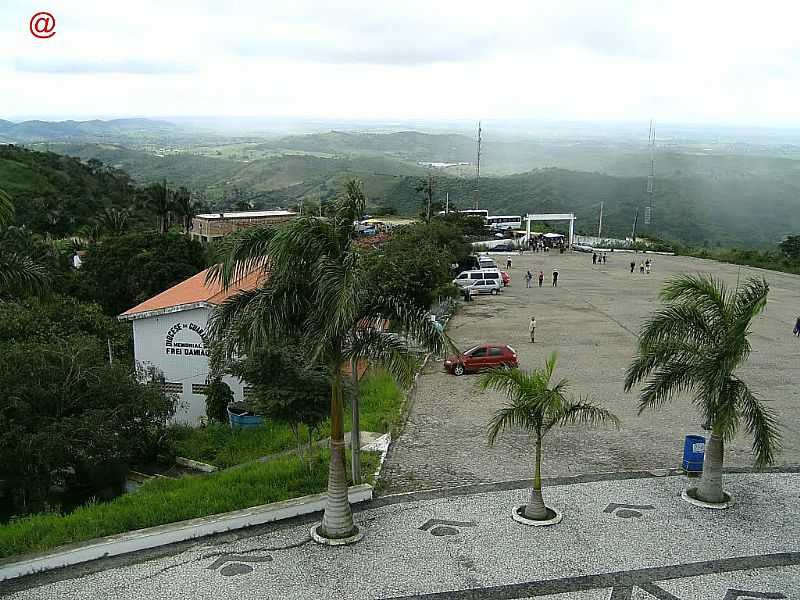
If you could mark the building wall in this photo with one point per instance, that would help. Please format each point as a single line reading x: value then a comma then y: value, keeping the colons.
x: 208, y: 229
x: 176, y: 344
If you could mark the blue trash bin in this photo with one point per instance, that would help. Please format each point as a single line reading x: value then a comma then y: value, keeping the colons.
x: 694, y: 449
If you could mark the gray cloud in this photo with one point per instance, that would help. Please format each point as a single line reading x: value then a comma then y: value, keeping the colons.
x: 80, y: 66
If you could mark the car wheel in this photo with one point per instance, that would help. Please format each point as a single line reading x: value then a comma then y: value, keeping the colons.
x: 458, y: 370
x: 494, y: 292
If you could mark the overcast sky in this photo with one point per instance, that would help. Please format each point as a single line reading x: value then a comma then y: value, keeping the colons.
x: 693, y: 62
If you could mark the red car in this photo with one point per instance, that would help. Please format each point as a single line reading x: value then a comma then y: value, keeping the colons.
x: 506, y: 278
x: 485, y: 356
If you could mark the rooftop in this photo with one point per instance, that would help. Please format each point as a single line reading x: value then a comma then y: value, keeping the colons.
x: 191, y: 293
x: 250, y: 214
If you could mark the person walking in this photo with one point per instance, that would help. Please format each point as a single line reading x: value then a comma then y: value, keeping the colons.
x: 797, y: 327
x: 532, y: 329
x: 528, y: 278
x: 604, y: 258
x: 594, y: 258
x: 541, y: 278
x: 647, y: 267
x: 555, y: 278
x: 641, y: 267
x: 508, y: 262
x: 633, y: 265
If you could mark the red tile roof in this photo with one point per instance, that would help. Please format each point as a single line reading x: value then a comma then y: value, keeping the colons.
x: 193, y: 293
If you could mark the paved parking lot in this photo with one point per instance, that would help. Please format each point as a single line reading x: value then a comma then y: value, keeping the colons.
x: 591, y: 320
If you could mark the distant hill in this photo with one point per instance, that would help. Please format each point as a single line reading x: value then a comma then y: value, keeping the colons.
x: 95, y: 130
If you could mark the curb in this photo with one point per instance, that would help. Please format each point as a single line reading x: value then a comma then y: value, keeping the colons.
x: 162, y: 535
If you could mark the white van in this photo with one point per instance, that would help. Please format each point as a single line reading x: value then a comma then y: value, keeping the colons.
x: 467, y: 277
x: 486, y: 262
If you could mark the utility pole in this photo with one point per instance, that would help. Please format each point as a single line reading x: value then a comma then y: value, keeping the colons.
x: 447, y: 203
x: 635, y: 219
x: 600, y: 226
x: 651, y: 187
x: 110, y: 354
x: 476, y: 204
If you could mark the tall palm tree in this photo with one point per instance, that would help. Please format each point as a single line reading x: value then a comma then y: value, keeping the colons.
x: 318, y: 294
x: 113, y: 221
x: 696, y: 343
x: 185, y: 207
x: 158, y: 199
x: 537, y: 405
x: 17, y: 273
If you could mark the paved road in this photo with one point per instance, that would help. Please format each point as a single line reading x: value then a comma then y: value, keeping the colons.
x: 464, y: 545
x: 591, y: 320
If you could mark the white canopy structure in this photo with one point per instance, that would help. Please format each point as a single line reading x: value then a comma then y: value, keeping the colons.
x: 551, y: 217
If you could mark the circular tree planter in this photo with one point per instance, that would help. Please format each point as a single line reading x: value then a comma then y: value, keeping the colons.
x: 553, y: 517
x: 690, y: 495
x: 326, y: 541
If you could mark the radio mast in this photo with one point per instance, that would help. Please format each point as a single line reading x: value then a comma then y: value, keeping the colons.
x: 476, y: 203
x: 649, y: 216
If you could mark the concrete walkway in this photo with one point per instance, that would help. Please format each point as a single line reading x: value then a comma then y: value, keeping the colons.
x: 461, y: 543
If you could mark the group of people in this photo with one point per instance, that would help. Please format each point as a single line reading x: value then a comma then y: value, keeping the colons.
x: 529, y: 278
x: 598, y: 258
x: 644, y: 266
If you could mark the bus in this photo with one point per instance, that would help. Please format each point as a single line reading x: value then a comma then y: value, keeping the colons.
x: 503, y: 222
x: 471, y: 212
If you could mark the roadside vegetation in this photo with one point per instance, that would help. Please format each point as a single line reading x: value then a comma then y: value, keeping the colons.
x: 169, y: 500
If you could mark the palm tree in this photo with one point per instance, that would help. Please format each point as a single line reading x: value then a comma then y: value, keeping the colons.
x: 696, y: 343
x: 17, y: 273
x: 113, y: 221
x: 318, y: 294
x: 537, y: 406
x: 158, y: 199
x: 185, y: 207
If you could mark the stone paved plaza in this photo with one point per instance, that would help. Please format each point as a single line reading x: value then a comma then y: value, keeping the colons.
x: 591, y: 320
x: 460, y: 545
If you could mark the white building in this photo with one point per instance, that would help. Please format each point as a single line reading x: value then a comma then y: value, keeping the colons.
x: 169, y: 333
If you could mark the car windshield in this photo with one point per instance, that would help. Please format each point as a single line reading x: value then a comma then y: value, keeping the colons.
x: 470, y: 351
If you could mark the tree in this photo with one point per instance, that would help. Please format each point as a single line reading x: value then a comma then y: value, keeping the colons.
x: 157, y: 198
x: 126, y: 270
x: 68, y: 416
x: 537, y: 406
x: 185, y: 207
x: 318, y: 293
x: 218, y: 396
x: 791, y: 247
x: 426, y: 187
x: 18, y: 273
x: 696, y: 343
x: 113, y: 221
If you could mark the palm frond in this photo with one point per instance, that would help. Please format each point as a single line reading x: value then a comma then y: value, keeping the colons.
x: 516, y: 413
x: 240, y: 253
x: 386, y: 349
x: 582, y: 412
x: 20, y: 274
x: 708, y: 294
x: 760, y: 422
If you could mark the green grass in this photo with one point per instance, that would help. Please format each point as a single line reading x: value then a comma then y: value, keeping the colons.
x: 381, y: 402
x: 166, y: 501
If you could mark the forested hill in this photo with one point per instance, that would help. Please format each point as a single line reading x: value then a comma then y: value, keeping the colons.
x: 696, y: 210
x: 57, y: 194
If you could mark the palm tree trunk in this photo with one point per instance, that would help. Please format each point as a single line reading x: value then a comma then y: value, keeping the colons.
x: 337, y: 522
x: 535, y: 509
x: 710, y: 487
x: 355, y: 427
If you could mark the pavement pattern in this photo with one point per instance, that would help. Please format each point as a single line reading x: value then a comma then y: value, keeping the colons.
x: 591, y: 321
x: 620, y: 539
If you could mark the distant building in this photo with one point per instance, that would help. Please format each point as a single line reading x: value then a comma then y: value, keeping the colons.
x: 169, y: 333
x: 211, y: 226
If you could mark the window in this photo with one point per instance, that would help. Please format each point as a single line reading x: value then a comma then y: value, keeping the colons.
x: 463, y: 276
x: 492, y: 275
x: 480, y: 282
x: 478, y: 353
x: 172, y: 388
x: 199, y: 388
x: 495, y: 352
x: 474, y: 275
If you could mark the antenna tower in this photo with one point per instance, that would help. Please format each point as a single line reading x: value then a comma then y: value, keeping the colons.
x: 651, y: 187
x: 476, y: 203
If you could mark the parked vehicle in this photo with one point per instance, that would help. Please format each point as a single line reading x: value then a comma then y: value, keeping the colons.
x: 487, y: 263
x: 506, y: 278
x: 484, y: 356
x: 485, y: 286
x: 502, y: 248
x: 466, y: 277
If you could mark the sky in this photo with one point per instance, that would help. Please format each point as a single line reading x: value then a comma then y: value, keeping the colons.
x: 706, y: 62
